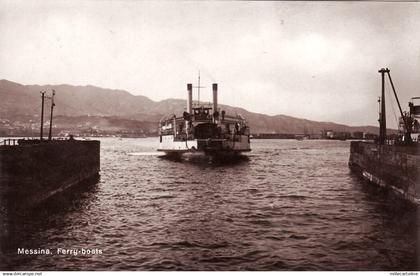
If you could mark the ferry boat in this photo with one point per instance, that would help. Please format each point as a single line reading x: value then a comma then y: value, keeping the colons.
x: 204, y: 129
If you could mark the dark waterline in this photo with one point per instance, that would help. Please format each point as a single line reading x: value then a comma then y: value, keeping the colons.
x: 287, y: 205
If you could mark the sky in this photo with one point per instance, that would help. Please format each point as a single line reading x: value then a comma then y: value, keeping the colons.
x: 313, y: 60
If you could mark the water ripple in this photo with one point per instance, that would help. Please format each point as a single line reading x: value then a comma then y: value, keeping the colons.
x: 288, y: 205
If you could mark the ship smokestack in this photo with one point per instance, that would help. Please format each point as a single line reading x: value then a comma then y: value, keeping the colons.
x: 189, y: 100
x: 214, y: 98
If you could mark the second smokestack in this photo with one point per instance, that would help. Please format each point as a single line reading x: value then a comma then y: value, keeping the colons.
x: 214, y: 97
x: 189, y: 99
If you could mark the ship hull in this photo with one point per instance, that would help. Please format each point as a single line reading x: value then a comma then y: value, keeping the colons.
x: 210, y: 146
x: 396, y: 168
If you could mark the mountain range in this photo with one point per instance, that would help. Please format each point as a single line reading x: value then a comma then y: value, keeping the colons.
x: 80, y: 102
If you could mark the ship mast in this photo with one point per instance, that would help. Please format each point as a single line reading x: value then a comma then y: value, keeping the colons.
x: 198, y: 87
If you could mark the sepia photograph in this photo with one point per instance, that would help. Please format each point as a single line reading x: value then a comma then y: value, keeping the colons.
x: 209, y: 136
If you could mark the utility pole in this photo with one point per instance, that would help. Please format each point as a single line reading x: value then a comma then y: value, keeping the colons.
x: 382, y: 119
x: 51, y: 116
x: 42, y: 115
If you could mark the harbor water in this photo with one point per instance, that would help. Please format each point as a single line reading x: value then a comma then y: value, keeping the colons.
x: 286, y: 205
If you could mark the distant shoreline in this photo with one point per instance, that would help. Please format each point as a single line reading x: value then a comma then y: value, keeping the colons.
x: 156, y: 136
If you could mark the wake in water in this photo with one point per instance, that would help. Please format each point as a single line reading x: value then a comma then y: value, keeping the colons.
x: 153, y: 153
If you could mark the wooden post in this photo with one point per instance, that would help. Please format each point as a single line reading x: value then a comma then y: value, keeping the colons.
x: 51, y: 116
x: 42, y: 115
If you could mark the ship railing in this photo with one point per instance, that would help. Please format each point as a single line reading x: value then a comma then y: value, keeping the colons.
x: 20, y: 141
x: 9, y: 142
x: 196, y: 104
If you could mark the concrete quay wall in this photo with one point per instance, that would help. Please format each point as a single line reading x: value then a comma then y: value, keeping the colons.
x: 390, y: 166
x: 30, y: 173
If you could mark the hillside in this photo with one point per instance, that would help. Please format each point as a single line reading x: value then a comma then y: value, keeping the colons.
x: 80, y: 101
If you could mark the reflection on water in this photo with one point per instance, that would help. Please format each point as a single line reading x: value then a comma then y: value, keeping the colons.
x: 287, y: 205
x: 204, y: 160
x: 22, y: 228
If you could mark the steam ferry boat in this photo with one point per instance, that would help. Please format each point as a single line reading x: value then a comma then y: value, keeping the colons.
x: 204, y: 129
